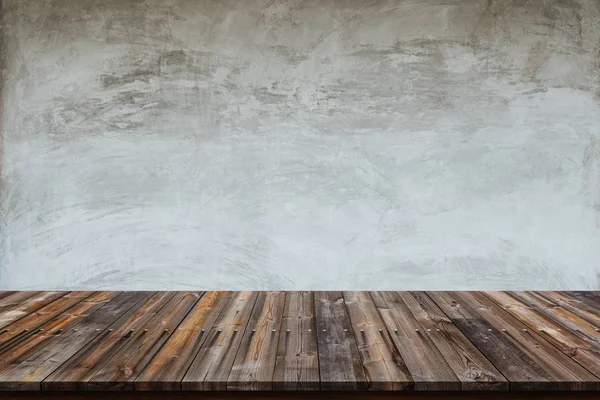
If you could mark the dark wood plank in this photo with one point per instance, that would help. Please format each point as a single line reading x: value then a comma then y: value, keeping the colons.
x: 567, y: 373
x: 254, y: 363
x: 428, y: 368
x: 340, y: 366
x: 120, y: 371
x: 519, y: 368
x: 37, y: 318
x: 473, y: 369
x: 75, y: 373
x: 573, y: 305
x: 29, y: 374
x: 167, y: 369
x: 303, y: 396
x: 211, y: 367
x: 297, y: 365
x: 384, y: 367
x: 20, y: 304
x: 585, y: 352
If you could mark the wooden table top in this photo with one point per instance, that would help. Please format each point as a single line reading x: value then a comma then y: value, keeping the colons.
x: 295, y: 341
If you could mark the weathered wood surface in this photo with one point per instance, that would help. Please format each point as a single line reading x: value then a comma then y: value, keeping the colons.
x: 295, y: 341
x: 297, y: 364
x: 340, y: 364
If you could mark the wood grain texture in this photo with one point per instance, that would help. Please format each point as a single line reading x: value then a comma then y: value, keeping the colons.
x: 122, y: 369
x: 568, y: 374
x: 340, y: 365
x: 427, y: 366
x: 471, y: 367
x: 518, y: 367
x: 20, y: 304
x: 167, y: 369
x: 584, y: 352
x: 383, y: 365
x: 75, y: 373
x: 254, y: 364
x: 590, y: 298
x: 556, y: 312
x: 35, y: 319
x: 372, y: 395
x: 296, y: 341
x: 29, y: 374
x: 211, y: 367
x: 573, y: 305
x: 24, y: 342
x: 297, y: 364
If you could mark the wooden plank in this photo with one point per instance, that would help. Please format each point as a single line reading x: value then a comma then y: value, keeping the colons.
x: 588, y: 297
x: 26, y: 344
x: 573, y: 305
x: 303, y: 396
x: 582, y: 351
x: 567, y: 373
x: 29, y: 374
x: 23, y: 335
x: 297, y: 364
x: 254, y: 364
x: 427, y: 366
x: 75, y: 373
x: 167, y: 369
x: 5, y: 294
x: 518, y: 367
x: 19, y: 304
x: 340, y: 366
x: 39, y: 317
x: 384, y: 367
x: 473, y: 369
x: 576, y: 324
x: 211, y: 367
x: 120, y: 371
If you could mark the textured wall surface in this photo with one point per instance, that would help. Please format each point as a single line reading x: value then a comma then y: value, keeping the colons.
x: 340, y: 144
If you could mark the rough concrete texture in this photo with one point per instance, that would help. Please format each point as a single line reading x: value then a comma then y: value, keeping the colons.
x: 408, y: 144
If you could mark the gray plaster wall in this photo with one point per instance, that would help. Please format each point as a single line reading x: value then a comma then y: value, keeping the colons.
x: 320, y: 144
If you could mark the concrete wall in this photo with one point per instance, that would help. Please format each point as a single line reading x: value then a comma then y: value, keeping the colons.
x: 408, y: 144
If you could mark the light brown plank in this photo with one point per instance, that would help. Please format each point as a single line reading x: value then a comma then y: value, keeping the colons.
x: 582, y: 351
x: 428, y: 368
x: 567, y: 373
x: 211, y: 367
x: 384, y: 367
x: 20, y: 304
x: 167, y: 369
x: 573, y: 305
x: 75, y: 373
x: 340, y: 366
x: 254, y: 364
x: 297, y: 365
x: 553, y: 310
x: 473, y: 369
x: 121, y: 370
x: 29, y: 374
